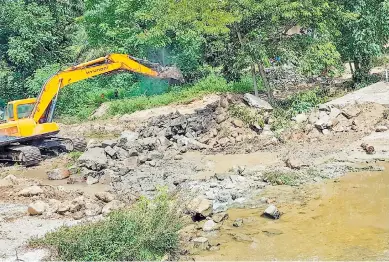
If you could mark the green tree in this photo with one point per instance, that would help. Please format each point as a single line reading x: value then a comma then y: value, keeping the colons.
x: 32, y: 35
x: 364, y: 33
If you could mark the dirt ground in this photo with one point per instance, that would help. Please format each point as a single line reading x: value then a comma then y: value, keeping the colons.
x: 330, y: 156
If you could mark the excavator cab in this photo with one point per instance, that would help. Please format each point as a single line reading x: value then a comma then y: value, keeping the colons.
x: 19, y: 109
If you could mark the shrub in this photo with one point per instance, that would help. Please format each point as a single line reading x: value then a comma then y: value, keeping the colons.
x: 281, y: 178
x: 147, y: 232
x: 248, y: 116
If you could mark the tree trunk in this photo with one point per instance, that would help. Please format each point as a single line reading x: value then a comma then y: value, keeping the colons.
x: 265, y: 82
x: 254, y: 79
x: 351, y: 68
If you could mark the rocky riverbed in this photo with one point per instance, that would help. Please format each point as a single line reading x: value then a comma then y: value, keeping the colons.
x: 218, y: 156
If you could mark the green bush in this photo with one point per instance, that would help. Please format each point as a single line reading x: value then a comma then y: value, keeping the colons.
x: 147, y: 232
x: 304, y: 101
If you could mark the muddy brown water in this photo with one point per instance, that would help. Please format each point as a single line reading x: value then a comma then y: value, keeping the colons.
x: 343, y: 220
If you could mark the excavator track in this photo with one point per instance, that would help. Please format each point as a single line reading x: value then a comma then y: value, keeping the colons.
x: 25, y: 155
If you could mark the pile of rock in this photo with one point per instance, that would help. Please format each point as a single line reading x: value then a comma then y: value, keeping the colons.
x: 284, y: 77
x: 331, y: 119
x: 78, y: 208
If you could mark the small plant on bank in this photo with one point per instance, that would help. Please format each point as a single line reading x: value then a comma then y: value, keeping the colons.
x: 281, y: 178
x: 248, y: 116
x: 148, y: 231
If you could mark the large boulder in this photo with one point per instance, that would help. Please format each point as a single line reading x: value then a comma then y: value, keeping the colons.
x: 257, y: 102
x: 37, y: 208
x: 31, y: 191
x: 200, y: 206
x: 58, y: 174
x: 111, y: 206
x: 105, y: 196
x: 94, y: 158
x: 128, y: 137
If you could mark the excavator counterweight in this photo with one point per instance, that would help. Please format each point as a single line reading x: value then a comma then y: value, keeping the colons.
x: 29, y: 128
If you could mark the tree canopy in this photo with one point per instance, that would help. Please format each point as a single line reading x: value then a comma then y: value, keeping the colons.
x: 228, y: 37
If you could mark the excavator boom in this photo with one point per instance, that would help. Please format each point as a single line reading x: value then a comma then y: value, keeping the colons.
x: 87, y: 70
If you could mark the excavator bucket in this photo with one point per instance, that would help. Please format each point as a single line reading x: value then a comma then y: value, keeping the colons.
x: 171, y: 73
x: 168, y: 72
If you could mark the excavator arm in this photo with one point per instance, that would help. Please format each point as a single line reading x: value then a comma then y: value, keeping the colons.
x: 112, y: 62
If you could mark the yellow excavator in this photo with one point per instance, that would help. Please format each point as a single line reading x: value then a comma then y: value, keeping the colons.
x: 29, y: 131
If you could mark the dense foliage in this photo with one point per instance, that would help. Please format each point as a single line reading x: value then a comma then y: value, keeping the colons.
x: 230, y: 39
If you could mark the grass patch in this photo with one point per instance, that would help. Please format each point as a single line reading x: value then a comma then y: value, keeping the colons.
x: 208, y: 85
x: 148, y: 231
x: 281, y: 178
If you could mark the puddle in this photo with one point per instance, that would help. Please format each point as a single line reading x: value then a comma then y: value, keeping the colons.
x: 346, y: 220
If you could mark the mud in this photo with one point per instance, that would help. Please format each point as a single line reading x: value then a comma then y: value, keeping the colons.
x: 345, y: 219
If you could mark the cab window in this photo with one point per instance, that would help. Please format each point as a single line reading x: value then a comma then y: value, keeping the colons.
x: 10, y: 111
x: 25, y: 110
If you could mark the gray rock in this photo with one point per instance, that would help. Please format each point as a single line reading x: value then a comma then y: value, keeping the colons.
x: 294, y: 163
x: 201, y: 243
x: 63, y: 208
x: 77, y: 204
x: 224, y: 102
x: 92, y: 209
x: 178, y: 157
x: 220, y: 217
x: 110, y: 143
x: 272, y: 232
x: 105, y: 176
x: 190, y: 143
x: 152, y: 163
x: 257, y: 102
x: 351, y: 111
x: 94, y: 158
x: 92, y: 180
x: 335, y: 112
x: 323, y: 107
x: 111, y: 206
x: 131, y: 163
x: 58, y: 174
x: 128, y: 137
x: 241, y: 237
x: 323, y: 122
x: 381, y: 129
x: 200, y: 205
x: 300, y: 118
x: 53, y: 206
x: 272, y: 211
x: 93, y: 143
x: 222, y: 176
x: 30, y: 191
x: 313, y: 117
x: 105, y: 196
x: 326, y: 132
x: 155, y: 155
x: 121, y: 153
x: 221, y: 118
x: 78, y: 215
x: 238, y: 222
x: 110, y: 151
x: 210, y: 225
x: 238, y: 123
x: 37, y: 208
